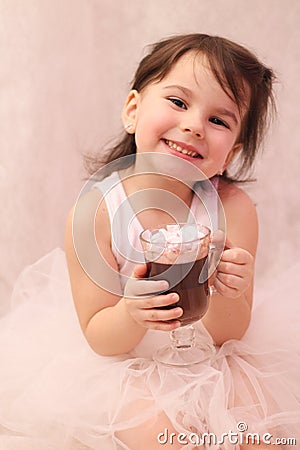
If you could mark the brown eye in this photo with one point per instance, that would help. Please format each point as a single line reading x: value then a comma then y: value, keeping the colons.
x: 218, y: 121
x: 177, y: 102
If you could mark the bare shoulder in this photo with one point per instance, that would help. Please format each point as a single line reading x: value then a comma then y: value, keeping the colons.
x: 88, y: 227
x: 236, y: 199
x: 87, y: 209
x: 241, y: 216
x: 89, y: 213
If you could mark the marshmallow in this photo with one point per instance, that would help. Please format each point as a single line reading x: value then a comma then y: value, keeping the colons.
x: 173, y: 241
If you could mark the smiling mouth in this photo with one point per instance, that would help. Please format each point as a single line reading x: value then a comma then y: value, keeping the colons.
x: 182, y: 150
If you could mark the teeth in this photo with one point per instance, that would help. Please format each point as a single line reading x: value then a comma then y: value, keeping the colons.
x: 180, y: 149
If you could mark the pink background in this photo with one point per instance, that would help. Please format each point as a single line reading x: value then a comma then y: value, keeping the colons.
x: 65, y: 68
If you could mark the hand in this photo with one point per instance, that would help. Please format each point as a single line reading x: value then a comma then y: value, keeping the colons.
x: 142, y: 299
x: 234, y: 272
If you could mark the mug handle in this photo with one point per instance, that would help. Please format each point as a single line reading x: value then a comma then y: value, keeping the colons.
x: 216, y: 248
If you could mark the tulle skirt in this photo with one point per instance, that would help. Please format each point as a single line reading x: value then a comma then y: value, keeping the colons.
x: 56, y: 393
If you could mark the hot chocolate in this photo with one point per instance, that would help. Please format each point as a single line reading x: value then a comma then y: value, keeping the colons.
x: 184, y: 279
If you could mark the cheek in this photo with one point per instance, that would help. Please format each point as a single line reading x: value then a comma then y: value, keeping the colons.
x: 153, y: 124
x: 224, y: 143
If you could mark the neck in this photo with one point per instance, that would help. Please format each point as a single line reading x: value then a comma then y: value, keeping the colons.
x: 153, y: 184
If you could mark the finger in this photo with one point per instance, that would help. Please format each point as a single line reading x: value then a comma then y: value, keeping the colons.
x: 148, y: 316
x: 140, y: 287
x: 158, y: 301
x: 160, y: 315
x: 231, y: 281
x: 218, y: 238
x: 237, y: 256
x: 224, y: 290
x: 140, y: 271
x: 163, y: 326
x: 228, y: 243
x: 231, y: 268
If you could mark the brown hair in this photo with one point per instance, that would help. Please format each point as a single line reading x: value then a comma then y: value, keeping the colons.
x: 234, y: 67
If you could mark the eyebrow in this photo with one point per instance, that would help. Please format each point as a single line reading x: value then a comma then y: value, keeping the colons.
x: 181, y: 88
x: 228, y: 113
x: 222, y: 111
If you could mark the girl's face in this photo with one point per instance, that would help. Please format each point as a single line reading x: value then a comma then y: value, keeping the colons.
x: 187, y: 114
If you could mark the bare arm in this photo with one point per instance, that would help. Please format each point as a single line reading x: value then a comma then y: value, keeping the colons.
x: 227, y: 317
x: 104, y: 319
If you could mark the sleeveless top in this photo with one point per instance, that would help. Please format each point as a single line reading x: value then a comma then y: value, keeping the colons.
x: 126, y: 228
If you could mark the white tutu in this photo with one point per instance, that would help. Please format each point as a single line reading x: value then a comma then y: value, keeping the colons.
x: 56, y: 393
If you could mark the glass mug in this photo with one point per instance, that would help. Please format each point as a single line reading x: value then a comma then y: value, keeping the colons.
x: 182, y: 254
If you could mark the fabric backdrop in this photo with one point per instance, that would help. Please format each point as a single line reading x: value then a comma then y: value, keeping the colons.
x: 65, y: 69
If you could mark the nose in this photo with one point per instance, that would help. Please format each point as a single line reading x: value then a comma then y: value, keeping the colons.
x: 193, y: 130
x: 193, y: 126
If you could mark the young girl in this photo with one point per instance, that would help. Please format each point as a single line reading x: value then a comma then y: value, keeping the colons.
x: 197, y: 102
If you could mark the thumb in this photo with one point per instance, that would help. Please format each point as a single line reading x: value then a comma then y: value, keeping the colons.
x: 140, y: 271
x: 228, y: 244
x: 218, y: 239
x: 221, y: 241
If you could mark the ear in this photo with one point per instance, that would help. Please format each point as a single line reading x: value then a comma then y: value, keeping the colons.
x: 235, y: 149
x: 129, y: 113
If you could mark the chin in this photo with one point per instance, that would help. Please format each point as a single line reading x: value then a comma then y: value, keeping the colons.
x: 167, y: 164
